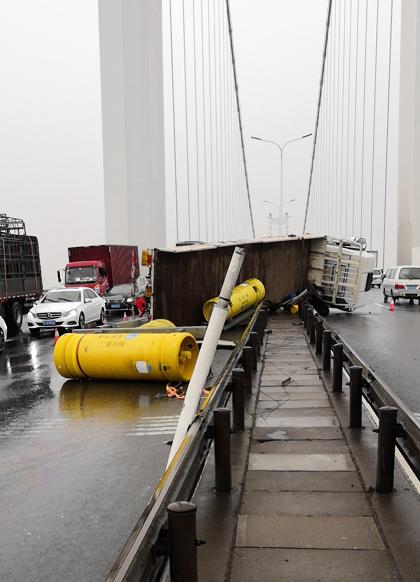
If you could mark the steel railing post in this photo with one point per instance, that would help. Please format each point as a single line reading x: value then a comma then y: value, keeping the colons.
x: 356, y: 380
x: 238, y: 399
x: 223, y: 467
x: 305, y: 316
x: 326, y: 350
x: 253, y: 342
x: 247, y: 363
x: 182, y: 517
x: 311, y: 327
x: 386, y: 449
x: 318, y: 337
x: 337, y: 381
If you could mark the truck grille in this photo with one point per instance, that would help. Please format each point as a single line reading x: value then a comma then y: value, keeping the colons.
x: 49, y: 315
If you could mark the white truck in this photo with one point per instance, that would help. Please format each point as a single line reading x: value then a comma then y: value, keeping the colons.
x: 341, y: 271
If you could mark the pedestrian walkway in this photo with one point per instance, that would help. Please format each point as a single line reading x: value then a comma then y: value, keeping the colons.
x: 304, y: 514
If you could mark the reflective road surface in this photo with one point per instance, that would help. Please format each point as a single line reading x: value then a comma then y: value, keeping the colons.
x: 79, y: 462
x: 388, y: 341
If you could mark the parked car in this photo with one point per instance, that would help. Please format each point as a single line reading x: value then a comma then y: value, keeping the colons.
x: 3, y: 333
x: 402, y: 282
x: 120, y: 298
x: 64, y: 309
x: 377, y: 278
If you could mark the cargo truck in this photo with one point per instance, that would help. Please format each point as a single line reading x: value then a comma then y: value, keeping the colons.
x: 20, y: 270
x: 101, y: 267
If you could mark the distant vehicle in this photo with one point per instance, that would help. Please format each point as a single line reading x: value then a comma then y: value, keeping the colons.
x: 20, y: 271
x: 3, y: 333
x: 64, y: 309
x: 402, y: 282
x: 121, y: 298
x: 101, y: 267
x: 377, y: 278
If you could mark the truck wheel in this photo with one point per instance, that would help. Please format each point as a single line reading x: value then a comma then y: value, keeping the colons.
x: 101, y: 320
x: 81, y: 321
x: 34, y: 332
x: 15, y: 316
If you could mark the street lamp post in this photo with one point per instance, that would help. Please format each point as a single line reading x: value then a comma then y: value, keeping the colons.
x: 281, y: 148
x: 280, y: 218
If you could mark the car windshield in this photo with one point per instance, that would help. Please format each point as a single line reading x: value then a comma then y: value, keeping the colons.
x: 410, y: 273
x: 120, y: 290
x: 62, y: 295
x: 80, y: 274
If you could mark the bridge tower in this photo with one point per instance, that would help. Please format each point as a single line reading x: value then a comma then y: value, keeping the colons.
x: 409, y: 135
x: 130, y: 37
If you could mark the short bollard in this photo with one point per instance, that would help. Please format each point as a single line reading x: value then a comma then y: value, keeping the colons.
x: 247, y: 363
x: 356, y: 380
x: 337, y: 381
x: 253, y: 342
x: 326, y: 350
x: 311, y: 327
x: 386, y: 449
x: 318, y: 337
x: 238, y: 399
x: 223, y: 467
x: 259, y: 328
x: 182, y: 541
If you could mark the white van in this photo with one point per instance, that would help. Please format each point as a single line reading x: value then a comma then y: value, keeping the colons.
x: 402, y: 282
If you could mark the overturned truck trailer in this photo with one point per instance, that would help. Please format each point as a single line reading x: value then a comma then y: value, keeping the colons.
x: 184, y: 278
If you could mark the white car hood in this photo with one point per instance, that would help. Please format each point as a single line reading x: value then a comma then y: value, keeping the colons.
x: 55, y: 307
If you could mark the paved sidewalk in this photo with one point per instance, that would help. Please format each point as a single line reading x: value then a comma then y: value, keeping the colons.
x: 304, y: 515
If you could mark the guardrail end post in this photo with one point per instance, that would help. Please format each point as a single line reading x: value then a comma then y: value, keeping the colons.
x: 182, y: 517
x: 248, y: 364
x: 356, y: 380
x: 222, y: 457
x: 326, y: 350
x: 238, y: 399
x: 337, y: 381
x: 386, y: 449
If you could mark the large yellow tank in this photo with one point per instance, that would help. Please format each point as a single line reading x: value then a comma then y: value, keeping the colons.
x: 127, y: 356
x: 158, y: 323
x: 244, y: 296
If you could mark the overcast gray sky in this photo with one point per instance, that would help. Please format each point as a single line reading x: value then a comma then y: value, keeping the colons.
x: 51, y: 169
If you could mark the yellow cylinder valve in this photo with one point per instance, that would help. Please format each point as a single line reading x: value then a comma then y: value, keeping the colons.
x: 244, y: 296
x: 131, y: 356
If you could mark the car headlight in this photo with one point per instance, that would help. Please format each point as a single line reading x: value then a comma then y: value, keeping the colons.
x: 129, y: 299
x: 70, y: 313
x: 32, y: 312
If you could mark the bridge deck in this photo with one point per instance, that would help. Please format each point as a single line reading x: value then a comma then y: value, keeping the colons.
x: 304, y: 510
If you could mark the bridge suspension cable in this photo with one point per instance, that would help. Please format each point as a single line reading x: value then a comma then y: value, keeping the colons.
x: 354, y: 165
x: 207, y: 182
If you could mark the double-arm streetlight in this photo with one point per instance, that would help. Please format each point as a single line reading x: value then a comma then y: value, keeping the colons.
x: 279, y: 210
x: 281, y: 148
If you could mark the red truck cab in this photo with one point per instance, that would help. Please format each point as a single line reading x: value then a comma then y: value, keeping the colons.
x: 91, y: 274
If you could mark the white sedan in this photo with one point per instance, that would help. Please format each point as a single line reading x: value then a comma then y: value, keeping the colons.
x: 64, y: 309
x: 3, y: 333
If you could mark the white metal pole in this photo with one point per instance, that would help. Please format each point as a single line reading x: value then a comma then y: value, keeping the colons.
x: 208, y: 349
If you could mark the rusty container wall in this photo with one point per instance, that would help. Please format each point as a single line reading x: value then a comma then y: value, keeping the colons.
x: 185, y: 278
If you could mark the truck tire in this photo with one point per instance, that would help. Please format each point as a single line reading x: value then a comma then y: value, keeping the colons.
x: 14, y: 316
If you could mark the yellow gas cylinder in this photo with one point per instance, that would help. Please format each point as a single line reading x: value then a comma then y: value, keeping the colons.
x: 159, y: 323
x: 294, y: 308
x: 244, y: 296
x: 131, y: 356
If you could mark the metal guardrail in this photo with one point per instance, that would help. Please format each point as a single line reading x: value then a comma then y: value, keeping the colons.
x: 144, y: 556
x: 374, y: 389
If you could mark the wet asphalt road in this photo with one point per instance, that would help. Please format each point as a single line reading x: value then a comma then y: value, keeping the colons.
x: 388, y: 341
x: 79, y: 463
